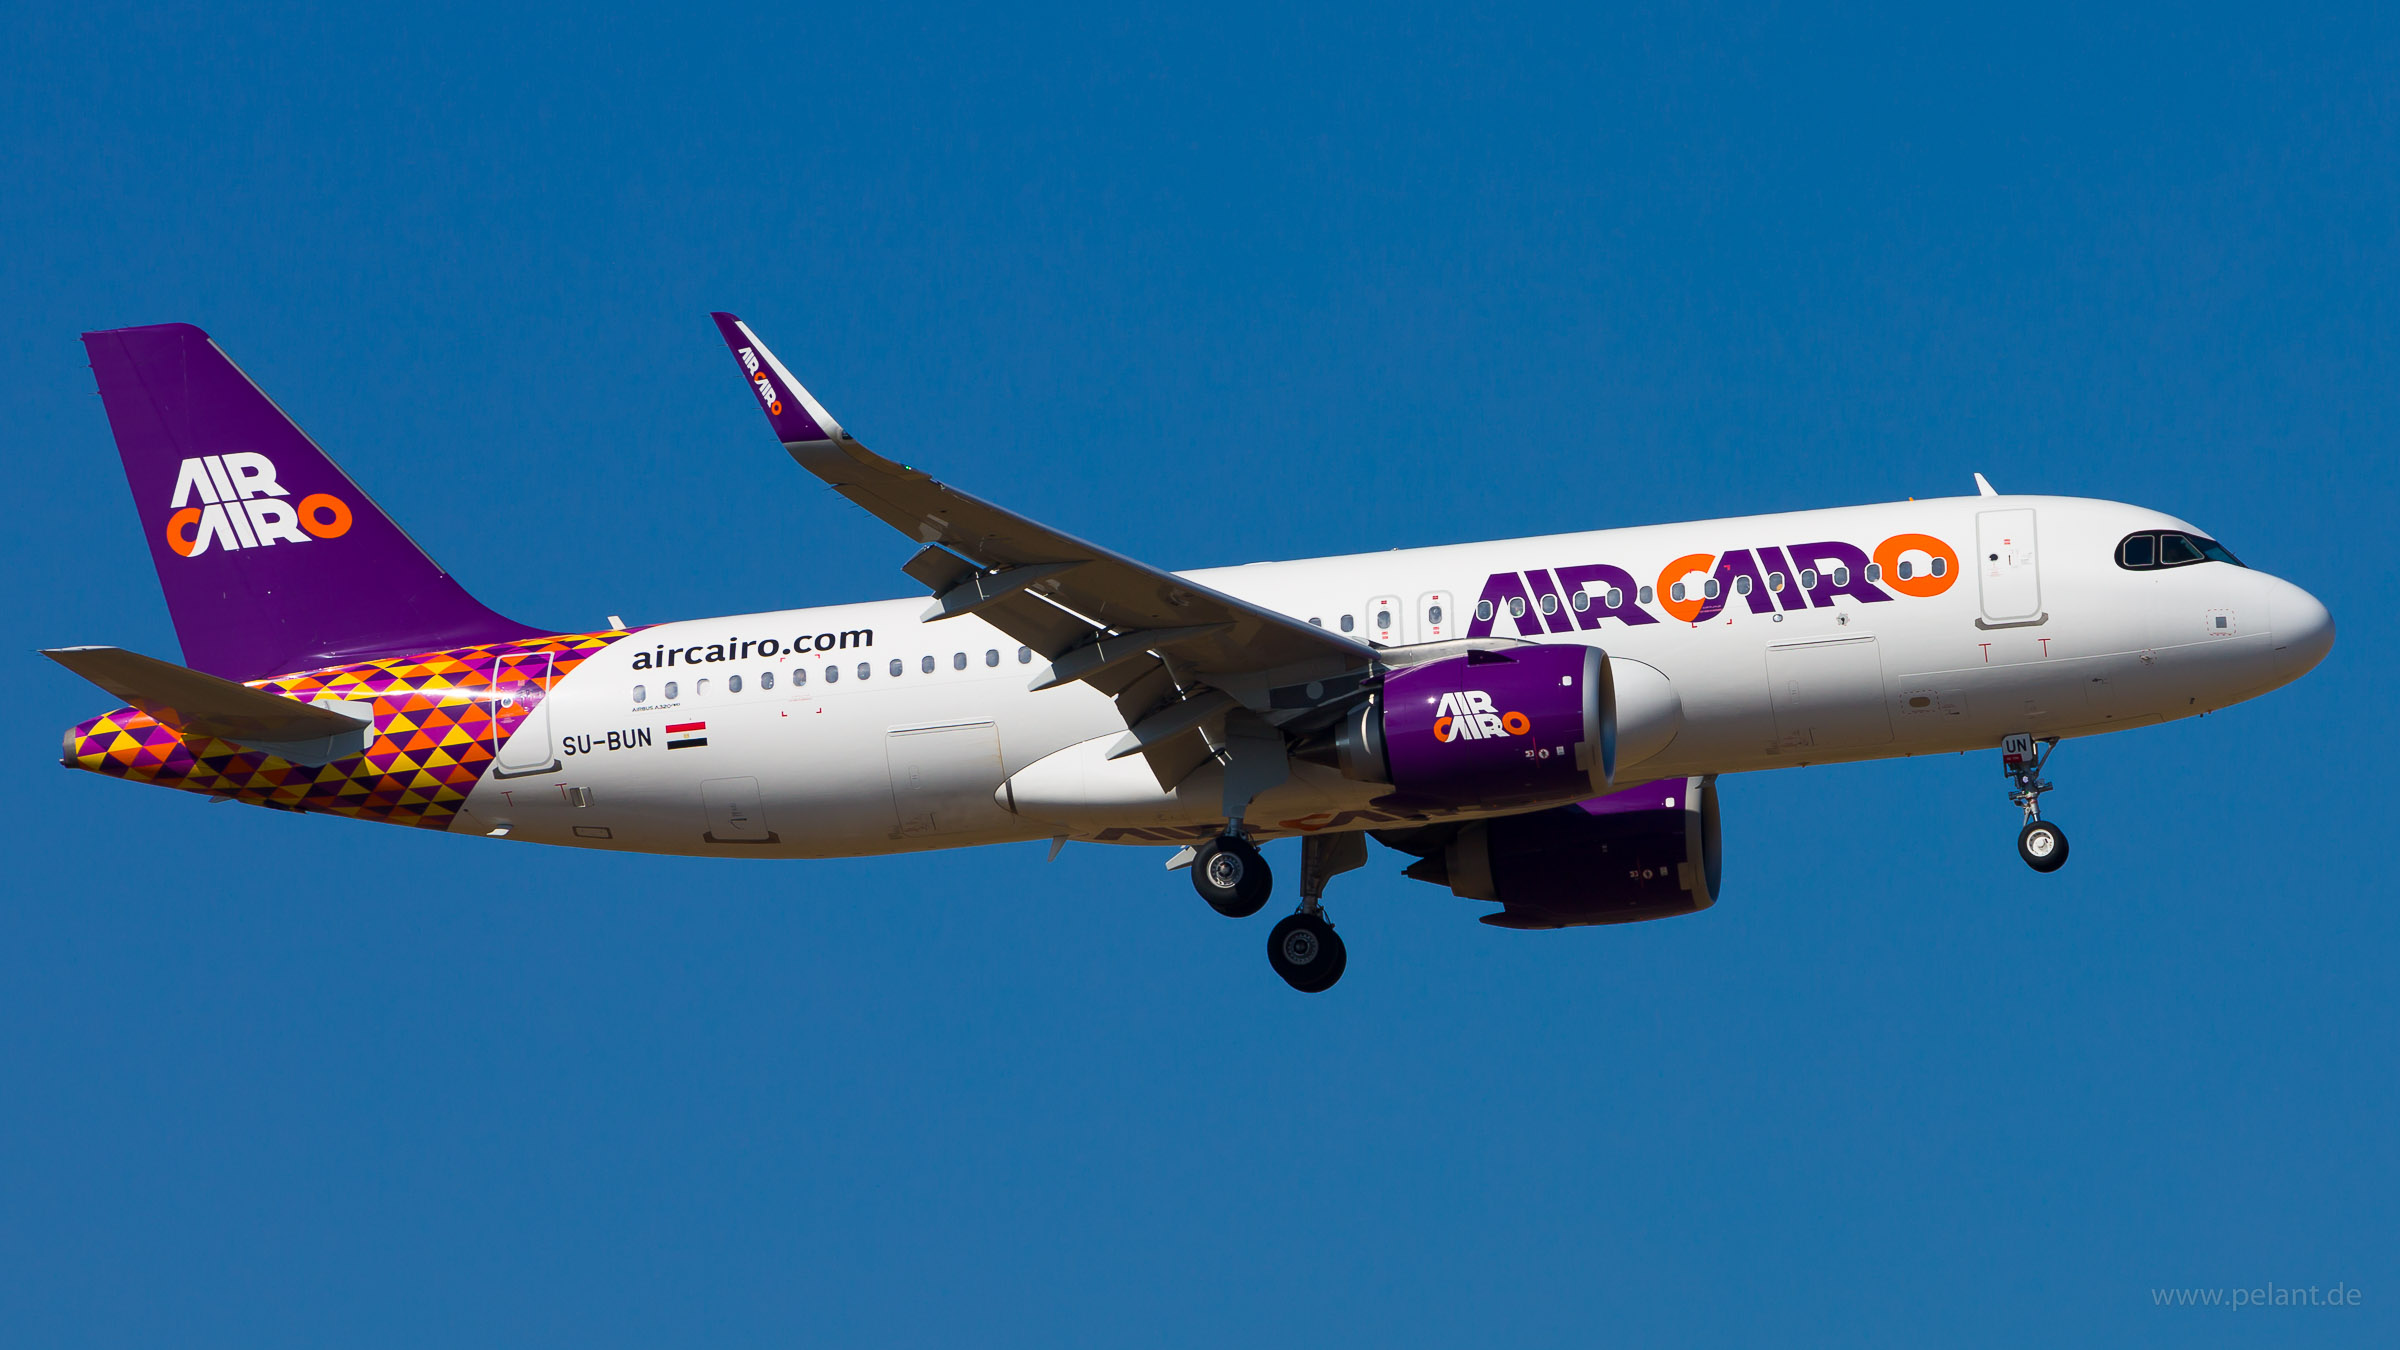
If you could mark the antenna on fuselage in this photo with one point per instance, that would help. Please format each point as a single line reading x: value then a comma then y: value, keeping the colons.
x: 1983, y: 487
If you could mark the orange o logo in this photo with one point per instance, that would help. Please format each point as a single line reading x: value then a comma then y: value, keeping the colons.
x: 179, y: 527
x: 1942, y: 576
x: 1688, y: 608
x: 336, y: 515
x: 1516, y: 724
x: 1441, y: 729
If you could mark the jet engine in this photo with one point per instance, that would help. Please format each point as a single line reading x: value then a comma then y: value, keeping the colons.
x: 1489, y: 728
x: 1650, y: 852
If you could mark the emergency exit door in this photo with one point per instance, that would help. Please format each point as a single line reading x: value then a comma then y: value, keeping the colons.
x: 2007, y: 564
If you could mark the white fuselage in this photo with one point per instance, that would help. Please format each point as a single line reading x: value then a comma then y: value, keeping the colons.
x: 888, y: 734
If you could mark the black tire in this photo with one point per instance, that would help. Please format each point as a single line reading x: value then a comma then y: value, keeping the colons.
x: 1307, y: 953
x: 2043, y: 846
x: 1232, y: 877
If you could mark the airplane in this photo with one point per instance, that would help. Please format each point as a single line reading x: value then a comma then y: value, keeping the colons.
x: 1538, y: 724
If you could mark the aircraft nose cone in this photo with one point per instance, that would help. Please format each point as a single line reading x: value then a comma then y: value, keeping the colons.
x: 2302, y: 627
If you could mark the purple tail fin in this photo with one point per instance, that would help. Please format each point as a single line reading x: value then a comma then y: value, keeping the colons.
x: 272, y: 560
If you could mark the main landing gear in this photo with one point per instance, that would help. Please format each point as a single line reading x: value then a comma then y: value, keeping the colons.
x: 2041, y: 844
x: 1303, y: 948
x: 1232, y: 877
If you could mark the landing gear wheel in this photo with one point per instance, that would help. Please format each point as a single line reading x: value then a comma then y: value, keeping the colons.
x: 1232, y: 877
x: 1307, y: 953
x: 2042, y: 845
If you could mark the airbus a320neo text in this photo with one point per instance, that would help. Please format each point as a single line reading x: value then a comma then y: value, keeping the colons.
x: 1539, y: 724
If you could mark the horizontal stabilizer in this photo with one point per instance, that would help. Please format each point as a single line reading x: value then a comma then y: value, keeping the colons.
x: 197, y: 703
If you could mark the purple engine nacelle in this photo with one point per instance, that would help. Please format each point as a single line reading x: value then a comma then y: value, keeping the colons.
x: 1650, y: 852
x: 1489, y: 729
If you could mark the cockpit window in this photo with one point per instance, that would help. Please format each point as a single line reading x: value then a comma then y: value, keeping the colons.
x: 2169, y: 548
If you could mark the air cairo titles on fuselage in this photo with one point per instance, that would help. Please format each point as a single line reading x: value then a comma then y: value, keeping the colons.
x: 1697, y: 587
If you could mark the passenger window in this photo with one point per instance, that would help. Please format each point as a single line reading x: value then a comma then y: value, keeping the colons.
x: 1433, y: 616
x: 1483, y: 611
x: 1383, y: 619
x: 2174, y: 550
x: 1583, y: 600
x: 641, y: 693
x: 670, y: 689
x: 926, y: 665
x: 1940, y: 566
x: 1317, y: 621
x: 865, y: 669
x: 1516, y: 607
x: 766, y: 679
x: 1711, y: 589
x: 1905, y: 569
x: 733, y: 684
x: 799, y: 676
x: 897, y: 667
x: 1841, y: 575
x: 1808, y: 579
x: 1874, y: 572
x: 991, y: 656
x: 833, y: 674
x: 1741, y: 585
x: 1648, y: 595
x: 1024, y: 656
x: 700, y: 689
x: 1348, y: 623
x: 1675, y: 592
x: 1775, y: 582
x: 958, y: 661
x: 1616, y: 598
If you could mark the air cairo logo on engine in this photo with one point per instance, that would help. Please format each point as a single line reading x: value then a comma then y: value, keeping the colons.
x: 765, y: 386
x: 242, y: 506
x: 1469, y: 716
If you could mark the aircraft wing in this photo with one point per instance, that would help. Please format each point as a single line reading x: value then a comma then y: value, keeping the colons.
x: 1098, y: 615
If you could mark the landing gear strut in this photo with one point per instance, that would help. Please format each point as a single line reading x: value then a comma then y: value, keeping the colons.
x: 1303, y: 948
x: 2041, y: 844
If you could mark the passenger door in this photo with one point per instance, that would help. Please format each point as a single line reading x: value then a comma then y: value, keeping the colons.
x: 520, y: 687
x: 1383, y: 621
x: 2005, y: 561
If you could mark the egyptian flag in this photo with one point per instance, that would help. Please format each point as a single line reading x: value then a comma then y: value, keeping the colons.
x: 686, y: 735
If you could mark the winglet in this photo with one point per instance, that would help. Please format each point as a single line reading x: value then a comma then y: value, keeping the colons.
x: 796, y: 416
x: 1983, y: 487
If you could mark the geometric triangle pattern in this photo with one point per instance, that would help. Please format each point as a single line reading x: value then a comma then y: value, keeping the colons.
x: 440, y: 720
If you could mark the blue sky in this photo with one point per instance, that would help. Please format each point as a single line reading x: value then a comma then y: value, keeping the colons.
x: 1212, y: 285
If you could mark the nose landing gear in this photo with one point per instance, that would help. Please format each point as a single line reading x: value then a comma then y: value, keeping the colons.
x: 2041, y: 844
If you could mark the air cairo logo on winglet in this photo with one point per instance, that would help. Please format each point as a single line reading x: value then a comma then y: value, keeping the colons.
x: 759, y: 380
x: 242, y: 506
x: 1469, y: 716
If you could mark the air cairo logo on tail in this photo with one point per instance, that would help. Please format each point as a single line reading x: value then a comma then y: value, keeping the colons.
x: 240, y: 505
x: 759, y: 380
x: 1469, y: 716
